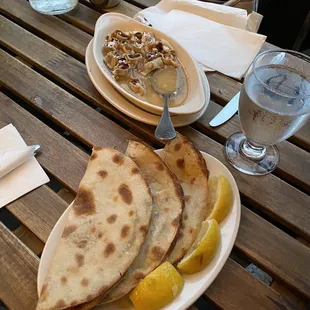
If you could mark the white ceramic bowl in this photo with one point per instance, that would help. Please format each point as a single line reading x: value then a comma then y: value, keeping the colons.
x: 110, y: 22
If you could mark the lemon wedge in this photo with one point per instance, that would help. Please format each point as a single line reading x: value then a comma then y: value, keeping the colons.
x: 157, y: 289
x: 220, y: 197
x: 203, y: 249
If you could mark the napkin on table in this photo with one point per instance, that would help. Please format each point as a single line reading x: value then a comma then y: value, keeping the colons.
x: 25, y: 177
x: 219, y: 37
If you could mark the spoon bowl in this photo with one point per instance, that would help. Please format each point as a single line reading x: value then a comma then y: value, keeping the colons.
x: 167, y: 83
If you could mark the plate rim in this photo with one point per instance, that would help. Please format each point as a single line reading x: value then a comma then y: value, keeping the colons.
x: 199, y: 292
x: 103, y: 20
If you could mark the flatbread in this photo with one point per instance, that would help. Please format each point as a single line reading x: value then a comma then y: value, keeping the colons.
x: 187, y: 163
x: 106, y: 227
x: 168, y: 204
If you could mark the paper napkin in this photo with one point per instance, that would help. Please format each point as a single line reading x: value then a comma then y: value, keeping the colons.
x: 218, y: 37
x: 25, y: 177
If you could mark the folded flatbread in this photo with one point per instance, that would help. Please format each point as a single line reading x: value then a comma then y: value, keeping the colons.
x: 105, y: 229
x: 168, y: 204
x: 187, y: 163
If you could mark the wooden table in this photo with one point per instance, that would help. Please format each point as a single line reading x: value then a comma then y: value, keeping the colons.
x: 47, y: 95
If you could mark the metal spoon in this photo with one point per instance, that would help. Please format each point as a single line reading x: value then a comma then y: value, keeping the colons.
x: 167, y: 83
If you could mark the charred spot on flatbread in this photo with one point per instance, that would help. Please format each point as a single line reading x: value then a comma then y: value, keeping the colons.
x: 118, y: 158
x: 125, y: 231
x: 112, y: 218
x: 60, y: 303
x: 63, y: 280
x: 84, y: 282
x: 93, y: 156
x: 176, y: 221
x: 102, y: 173
x: 177, y: 147
x: 82, y: 244
x: 181, y: 163
x: 157, y: 252
x: 84, y: 202
x: 138, y: 276
x: 125, y: 193
x: 143, y: 229
x: 159, y: 166
x: 68, y: 231
x: 135, y: 171
x: 109, y: 249
x: 79, y: 258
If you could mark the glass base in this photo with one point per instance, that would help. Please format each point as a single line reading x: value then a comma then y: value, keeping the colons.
x: 245, y: 164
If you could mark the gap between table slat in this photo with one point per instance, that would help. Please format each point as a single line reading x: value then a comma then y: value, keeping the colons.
x: 55, y: 167
x: 54, y: 28
x: 253, y: 188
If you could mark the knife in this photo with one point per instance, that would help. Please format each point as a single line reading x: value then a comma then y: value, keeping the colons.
x: 227, y: 112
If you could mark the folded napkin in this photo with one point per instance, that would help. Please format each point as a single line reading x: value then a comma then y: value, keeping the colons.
x: 218, y: 37
x: 27, y: 176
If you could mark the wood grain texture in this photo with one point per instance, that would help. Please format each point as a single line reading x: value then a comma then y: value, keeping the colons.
x: 255, y: 294
x: 66, y: 162
x: 29, y: 239
x: 274, y: 251
x: 269, y: 193
x: 25, y: 123
x: 60, y: 112
x: 18, y: 272
x: 219, y: 84
x: 67, y: 111
x: 66, y: 195
x: 71, y: 72
x: 38, y: 210
x: 289, y: 168
x: 74, y: 113
x: 51, y: 27
x: 47, y: 139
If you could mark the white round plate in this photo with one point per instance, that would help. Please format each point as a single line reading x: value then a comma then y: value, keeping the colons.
x: 110, y: 93
x: 108, y: 23
x: 196, y: 284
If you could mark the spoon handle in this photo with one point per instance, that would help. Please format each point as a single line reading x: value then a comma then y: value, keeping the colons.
x: 165, y: 129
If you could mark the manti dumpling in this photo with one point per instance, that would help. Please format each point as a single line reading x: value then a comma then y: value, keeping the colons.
x: 154, y: 64
x: 137, y: 86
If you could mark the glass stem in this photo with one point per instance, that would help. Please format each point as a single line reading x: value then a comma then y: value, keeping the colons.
x: 253, y: 151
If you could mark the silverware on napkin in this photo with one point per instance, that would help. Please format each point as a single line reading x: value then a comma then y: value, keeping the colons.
x: 227, y: 112
x: 10, y: 160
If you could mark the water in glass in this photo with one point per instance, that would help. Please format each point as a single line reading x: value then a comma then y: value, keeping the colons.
x: 267, y: 117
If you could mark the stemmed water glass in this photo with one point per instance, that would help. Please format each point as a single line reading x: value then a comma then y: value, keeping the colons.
x: 274, y: 103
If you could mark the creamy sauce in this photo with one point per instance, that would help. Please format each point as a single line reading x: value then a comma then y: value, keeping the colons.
x: 152, y: 97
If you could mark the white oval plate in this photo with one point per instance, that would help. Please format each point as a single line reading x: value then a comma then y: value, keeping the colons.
x: 108, y: 23
x: 194, y: 285
x: 122, y: 104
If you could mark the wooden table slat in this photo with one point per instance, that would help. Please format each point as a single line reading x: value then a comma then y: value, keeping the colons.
x: 278, y: 191
x: 52, y: 142
x: 39, y: 210
x: 277, y: 253
x: 56, y: 30
x: 268, y: 298
x: 289, y: 168
x: 18, y: 272
x: 27, y: 237
x: 68, y: 36
x: 223, y: 88
x: 49, y: 58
